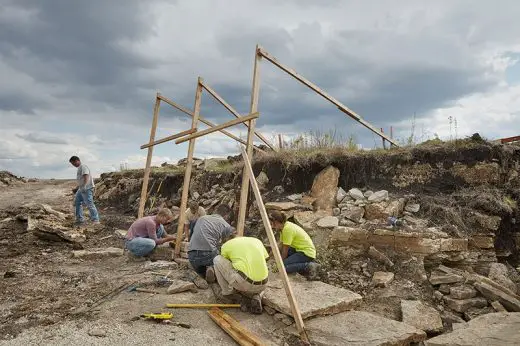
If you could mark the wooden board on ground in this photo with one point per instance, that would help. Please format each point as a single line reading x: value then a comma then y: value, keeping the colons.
x: 314, y: 297
x: 231, y: 326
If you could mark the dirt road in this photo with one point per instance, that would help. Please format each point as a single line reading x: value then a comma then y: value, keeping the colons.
x: 42, y: 286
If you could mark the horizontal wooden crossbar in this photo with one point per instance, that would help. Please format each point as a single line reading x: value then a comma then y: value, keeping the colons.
x: 322, y: 93
x: 218, y: 127
x: 207, y: 122
x: 169, y: 138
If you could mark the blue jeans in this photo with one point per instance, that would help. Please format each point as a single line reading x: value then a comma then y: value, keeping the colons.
x: 296, y: 262
x: 86, y: 197
x: 143, y: 246
x: 201, y: 260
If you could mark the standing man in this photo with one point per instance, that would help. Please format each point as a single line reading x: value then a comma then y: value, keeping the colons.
x: 242, y: 266
x: 208, y: 234
x: 84, y: 192
x: 148, y: 232
x: 192, y: 215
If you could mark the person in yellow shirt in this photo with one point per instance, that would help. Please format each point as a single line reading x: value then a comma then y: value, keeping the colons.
x: 298, y: 251
x: 241, y: 266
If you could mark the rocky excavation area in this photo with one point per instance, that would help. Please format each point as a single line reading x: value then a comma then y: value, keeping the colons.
x: 416, y: 246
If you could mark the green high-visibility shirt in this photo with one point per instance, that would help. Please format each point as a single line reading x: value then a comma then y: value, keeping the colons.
x: 295, y: 237
x: 247, y: 255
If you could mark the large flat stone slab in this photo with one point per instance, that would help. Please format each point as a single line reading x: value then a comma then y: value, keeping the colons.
x: 360, y: 328
x: 313, y: 297
x: 424, y: 317
x: 497, y: 329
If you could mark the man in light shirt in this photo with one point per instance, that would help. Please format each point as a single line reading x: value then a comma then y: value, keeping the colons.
x: 192, y: 215
x: 84, y: 192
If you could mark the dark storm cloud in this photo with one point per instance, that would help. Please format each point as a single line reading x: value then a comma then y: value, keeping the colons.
x: 42, y: 138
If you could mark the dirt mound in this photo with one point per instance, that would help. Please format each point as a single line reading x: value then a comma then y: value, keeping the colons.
x: 7, y: 179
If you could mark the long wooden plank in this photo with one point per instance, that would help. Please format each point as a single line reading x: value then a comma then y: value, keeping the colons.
x: 244, y: 191
x: 218, y: 127
x: 144, y: 188
x: 187, y: 172
x: 274, y: 247
x: 207, y: 122
x: 231, y: 326
x: 322, y: 93
x: 202, y: 306
x: 235, y: 113
x: 169, y: 138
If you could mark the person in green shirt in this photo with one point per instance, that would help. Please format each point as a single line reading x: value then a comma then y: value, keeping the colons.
x: 241, y: 266
x: 298, y: 251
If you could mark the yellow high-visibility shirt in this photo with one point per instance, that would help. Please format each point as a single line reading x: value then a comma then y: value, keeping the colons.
x: 295, y: 237
x: 247, y: 255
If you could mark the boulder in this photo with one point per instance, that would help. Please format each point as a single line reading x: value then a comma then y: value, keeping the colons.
x: 340, y: 195
x: 356, y: 194
x: 328, y: 222
x: 262, y: 180
x: 437, y: 278
x: 376, y: 211
x: 382, y: 279
x: 306, y: 219
x: 368, y: 193
x: 54, y: 231
x: 361, y: 328
x: 324, y: 188
x: 421, y: 316
x: 492, y: 293
x: 462, y: 292
x: 353, y: 213
x: 378, y: 196
x: 178, y: 286
x: 498, y: 272
x: 462, y: 305
x: 98, y: 253
x: 496, y: 329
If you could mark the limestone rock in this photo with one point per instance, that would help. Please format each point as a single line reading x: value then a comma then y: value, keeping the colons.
x: 356, y: 194
x: 353, y: 213
x: 284, y: 206
x: 382, y: 279
x: 98, y: 332
x: 498, y: 307
x: 472, y: 313
x: 368, y: 193
x: 445, y: 288
x: 306, y: 219
x: 54, y: 231
x: 378, y: 196
x: 437, y: 278
x: 376, y: 211
x: 462, y: 305
x: 262, y: 179
x: 395, y: 208
x: 421, y: 316
x: 120, y: 233
x: 328, y: 222
x: 98, y: 253
x: 160, y: 265
x: 340, y: 195
x: 324, y: 188
x: 178, y: 286
x: 498, y: 272
x: 492, y: 293
x: 314, y: 297
x: 462, y: 292
x: 379, y: 256
x: 362, y: 329
x: 295, y: 197
x: 336, y: 212
x: 496, y: 329
x: 412, y: 207
x: 279, y: 189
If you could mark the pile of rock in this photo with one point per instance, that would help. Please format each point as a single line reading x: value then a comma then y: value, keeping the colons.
x: 8, y: 179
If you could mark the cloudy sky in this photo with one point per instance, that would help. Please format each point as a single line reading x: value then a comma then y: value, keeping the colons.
x: 80, y: 77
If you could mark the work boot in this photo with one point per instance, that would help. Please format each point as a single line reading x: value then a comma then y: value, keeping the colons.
x: 210, y: 275
x: 313, y: 271
x: 196, y: 279
x: 256, y: 305
x: 245, y: 304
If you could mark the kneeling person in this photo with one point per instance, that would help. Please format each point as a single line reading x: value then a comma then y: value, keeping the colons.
x: 242, y: 266
x: 148, y: 232
x: 298, y: 251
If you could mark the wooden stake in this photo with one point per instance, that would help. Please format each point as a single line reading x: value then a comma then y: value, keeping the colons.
x: 187, y: 172
x: 255, y: 91
x: 144, y: 189
x: 169, y: 138
x: 280, y: 142
x: 218, y: 127
x: 274, y: 247
x: 202, y: 120
x: 383, y: 139
x: 202, y: 306
x: 234, y: 112
x: 231, y: 326
x: 322, y: 93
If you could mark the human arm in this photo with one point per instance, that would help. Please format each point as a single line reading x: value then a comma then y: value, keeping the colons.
x: 152, y: 234
x: 285, y: 251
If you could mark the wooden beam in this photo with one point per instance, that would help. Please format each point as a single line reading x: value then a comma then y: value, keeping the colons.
x: 169, y: 138
x: 217, y: 128
x: 202, y: 120
x: 331, y: 99
x: 274, y: 247
x: 244, y: 191
x: 202, y: 306
x: 235, y: 113
x: 144, y: 188
x: 234, y: 329
x: 187, y: 172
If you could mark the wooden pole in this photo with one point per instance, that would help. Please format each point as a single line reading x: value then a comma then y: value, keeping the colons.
x: 234, y: 112
x: 241, y: 335
x: 383, y: 139
x: 187, y: 172
x: 218, y: 127
x: 280, y: 142
x: 274, y: 247
x: 391, y: 132
x: 169, y: 138
x: 255, y: 92
x: 144, y: 188
x: 202, y: 120
x: 322, y: 93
